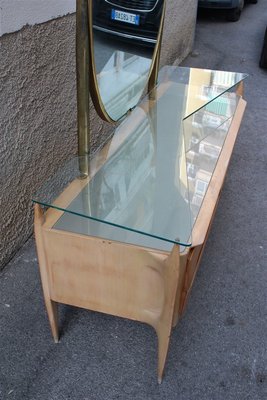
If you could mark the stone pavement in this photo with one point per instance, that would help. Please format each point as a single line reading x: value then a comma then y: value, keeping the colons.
x: 218, y: 350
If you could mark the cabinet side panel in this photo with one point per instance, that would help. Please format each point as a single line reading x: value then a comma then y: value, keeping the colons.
x: 106, y: 276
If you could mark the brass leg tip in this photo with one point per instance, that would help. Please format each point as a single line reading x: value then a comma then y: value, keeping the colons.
x: 159, y: 381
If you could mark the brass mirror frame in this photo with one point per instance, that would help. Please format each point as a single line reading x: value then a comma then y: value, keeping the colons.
x: 87, y: 80
x: 94, y: 89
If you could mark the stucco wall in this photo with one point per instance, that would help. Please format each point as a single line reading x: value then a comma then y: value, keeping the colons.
x: 14, y: 14
x: 179, y: 30
x: 38, y: 110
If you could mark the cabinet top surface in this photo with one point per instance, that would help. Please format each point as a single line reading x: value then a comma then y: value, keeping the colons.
x: 148, y: 181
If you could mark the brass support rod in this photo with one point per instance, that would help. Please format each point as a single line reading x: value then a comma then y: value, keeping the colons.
x: 82, y: 70
x: 154, y: 75
x: 155, y: 70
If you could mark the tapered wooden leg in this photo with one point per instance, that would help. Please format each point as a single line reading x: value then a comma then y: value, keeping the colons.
x: 240, y: 89
x: 164, y: 334
x: 164, y: 325
x: 181, y: 283
x: 190, y: 273
x: 51, y: 306
x: 52, y: 311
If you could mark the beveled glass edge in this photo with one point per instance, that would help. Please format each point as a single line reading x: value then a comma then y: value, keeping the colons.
x: 189, y: 244
x: 214, y: 98
x: 206, y: 136
x: 173, y: 67
x: 227, y: 119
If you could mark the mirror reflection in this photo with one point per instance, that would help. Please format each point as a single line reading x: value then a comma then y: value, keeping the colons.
x: 125, y: 34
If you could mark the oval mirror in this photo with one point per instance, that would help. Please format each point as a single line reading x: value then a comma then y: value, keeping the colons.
x: 125, y: 38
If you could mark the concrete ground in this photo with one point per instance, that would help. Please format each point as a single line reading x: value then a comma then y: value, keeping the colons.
x: 218, y: 350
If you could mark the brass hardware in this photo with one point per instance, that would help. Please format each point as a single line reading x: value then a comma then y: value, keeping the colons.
x: 94, y: 90
x: 82, y: 66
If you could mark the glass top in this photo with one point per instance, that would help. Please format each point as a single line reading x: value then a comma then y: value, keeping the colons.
x: 145, y: 186
x: 201, y: 86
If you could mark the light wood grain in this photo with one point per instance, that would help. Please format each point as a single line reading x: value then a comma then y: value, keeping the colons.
x: 113, y: 278
x: 213, y: 192
x: 240, y: 89
x: 120, y: 279
x: 42, y: 253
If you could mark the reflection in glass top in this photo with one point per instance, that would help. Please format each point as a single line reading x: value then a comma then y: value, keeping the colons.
x: 202, y: 86
x: 201, y: 161
x: 124, y: 39
x: 142, y: 184
x: 150, y: 178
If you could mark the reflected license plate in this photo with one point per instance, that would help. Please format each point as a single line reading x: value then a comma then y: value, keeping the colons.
x: 129, y: 18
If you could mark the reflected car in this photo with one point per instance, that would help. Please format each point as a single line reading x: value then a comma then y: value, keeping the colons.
x: 135, y: 20
x: 233, y: 7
